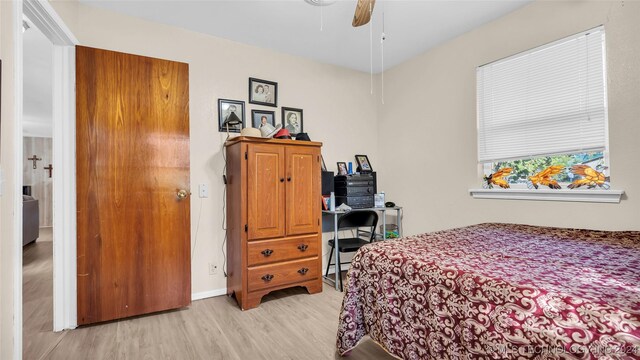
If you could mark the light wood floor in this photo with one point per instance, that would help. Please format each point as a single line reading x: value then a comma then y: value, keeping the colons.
x: 289, y: 324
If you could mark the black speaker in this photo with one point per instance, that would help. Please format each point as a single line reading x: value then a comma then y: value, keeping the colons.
x: 327, y: 182
x: 375, y: 182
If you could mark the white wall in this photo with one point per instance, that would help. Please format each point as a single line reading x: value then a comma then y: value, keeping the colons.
x: 428, y: 122
x: 338, y: 107
x: 7, y: 200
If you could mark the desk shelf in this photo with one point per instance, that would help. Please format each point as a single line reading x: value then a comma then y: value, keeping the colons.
x: 336, y: 214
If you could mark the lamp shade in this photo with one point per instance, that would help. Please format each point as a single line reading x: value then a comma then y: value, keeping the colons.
x: 232, y: 120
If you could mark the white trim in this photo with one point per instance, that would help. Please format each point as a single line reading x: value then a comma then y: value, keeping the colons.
x: 17, y: 179
x: 42, y: 14
x: 47, y: 20
x: 208, y: 294
x: 64, y: 194
x: 599, y: 196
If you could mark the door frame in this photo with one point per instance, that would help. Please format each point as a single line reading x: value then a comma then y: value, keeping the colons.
x: 42, y: 14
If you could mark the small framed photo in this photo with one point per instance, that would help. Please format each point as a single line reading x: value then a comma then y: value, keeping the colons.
x: 263, y: 92
x: 292, y: 120
x: 227, y: 107
x: 261, y: 117
x: 342, y: 168
x: 364, y: 166
x: 325, y: 202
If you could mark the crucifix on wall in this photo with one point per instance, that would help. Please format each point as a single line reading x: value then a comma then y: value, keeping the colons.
x: 50, y: 169
x: 34, y: 158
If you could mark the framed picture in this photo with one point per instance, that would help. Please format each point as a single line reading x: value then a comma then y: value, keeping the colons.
x: 324, y: 166
x: 263, y: 92
x: 260, y: 117
x: 342, y: 168
x: 363, y: 163
x: 225, y: 109
x: 292, y: 120
x: 325, y: 202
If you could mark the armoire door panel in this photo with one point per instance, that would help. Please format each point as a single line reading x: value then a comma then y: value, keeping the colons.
x: 132, y: 136
x: 303, y: 190
x: 265, y: 193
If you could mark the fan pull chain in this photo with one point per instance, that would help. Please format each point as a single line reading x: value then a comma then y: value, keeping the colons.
x: 321, y: 15
x: 371, y: 44
x: 382, y: 39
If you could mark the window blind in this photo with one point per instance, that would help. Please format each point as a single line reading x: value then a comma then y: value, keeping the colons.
x: 548, y: 100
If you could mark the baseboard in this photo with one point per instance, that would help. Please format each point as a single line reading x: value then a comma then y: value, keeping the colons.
x: 208, y: 294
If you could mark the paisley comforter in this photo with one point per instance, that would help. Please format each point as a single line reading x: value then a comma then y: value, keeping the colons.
x: 497, y: 291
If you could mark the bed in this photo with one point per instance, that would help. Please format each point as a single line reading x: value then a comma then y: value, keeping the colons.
x: 497, y: 291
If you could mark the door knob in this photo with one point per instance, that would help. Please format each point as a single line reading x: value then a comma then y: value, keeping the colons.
x: 182, y: 194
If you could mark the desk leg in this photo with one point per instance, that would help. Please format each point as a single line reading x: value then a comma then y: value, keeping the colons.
x: 384, y: 225
x: 335, y: 256
x: 399, y: 220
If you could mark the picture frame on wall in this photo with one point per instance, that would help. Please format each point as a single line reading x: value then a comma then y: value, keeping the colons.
x: 292, y: 120
x: 364, y: 166
x: 263, y: 92
x: 225, y: 108
x: 260, y: 117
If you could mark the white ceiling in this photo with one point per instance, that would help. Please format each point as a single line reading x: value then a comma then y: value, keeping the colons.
x: 37, y: 86
x: 293, y: 26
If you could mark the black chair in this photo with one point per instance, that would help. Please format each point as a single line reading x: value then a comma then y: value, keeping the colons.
x: 350, y: 220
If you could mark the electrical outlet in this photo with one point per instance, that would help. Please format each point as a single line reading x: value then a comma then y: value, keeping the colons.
x: 213, y: 269
x: 203, y: 190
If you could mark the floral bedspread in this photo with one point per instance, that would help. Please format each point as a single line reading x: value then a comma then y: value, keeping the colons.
x: 497, y: 291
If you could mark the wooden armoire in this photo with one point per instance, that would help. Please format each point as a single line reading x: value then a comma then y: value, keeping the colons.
x: 273, y: 217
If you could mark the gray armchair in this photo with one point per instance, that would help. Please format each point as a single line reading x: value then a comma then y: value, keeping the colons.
x: 30, y: 219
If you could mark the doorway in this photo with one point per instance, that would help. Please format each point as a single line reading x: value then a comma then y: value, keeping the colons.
x: 37, y: 192
x: 44, y: 18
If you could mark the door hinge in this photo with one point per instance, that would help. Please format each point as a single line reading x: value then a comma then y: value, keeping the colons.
x: 246, y: 227
x: 246, y: 156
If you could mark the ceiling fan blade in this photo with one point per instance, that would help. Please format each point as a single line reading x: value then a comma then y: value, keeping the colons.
x: 362, y: 16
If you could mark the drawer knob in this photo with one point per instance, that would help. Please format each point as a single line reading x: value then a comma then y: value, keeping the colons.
x: 303, y: 271
x: 281, y: 179
x: 267, y: 277
x: 303, y: 247
x: 289, y: 178
x: 267, y: 252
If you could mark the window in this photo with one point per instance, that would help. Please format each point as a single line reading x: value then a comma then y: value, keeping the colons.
x: 544, y: 107
x: 524, y: 169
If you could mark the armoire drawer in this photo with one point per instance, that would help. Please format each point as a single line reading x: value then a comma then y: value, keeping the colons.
x: 270, y: 251
x: 266, y: 276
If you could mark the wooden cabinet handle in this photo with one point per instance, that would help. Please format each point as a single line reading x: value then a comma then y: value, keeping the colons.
x: 303, y: 247
x: 303, y: 271
x: 289, y: 178
x: 267, y: 277
x: 267, y: 252
x: 281, y: 179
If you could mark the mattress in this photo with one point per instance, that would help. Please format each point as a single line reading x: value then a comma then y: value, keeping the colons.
x: 497, y: 291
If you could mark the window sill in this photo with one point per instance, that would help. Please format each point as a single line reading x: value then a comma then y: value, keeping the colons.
x: 598, y: 196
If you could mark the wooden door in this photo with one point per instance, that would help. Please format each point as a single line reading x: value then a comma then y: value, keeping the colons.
x: 132, y: 136
x: 265, y: 193
x: 303, y: 189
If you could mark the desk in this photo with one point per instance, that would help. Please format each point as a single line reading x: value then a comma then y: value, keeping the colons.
x: 336, y: 214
